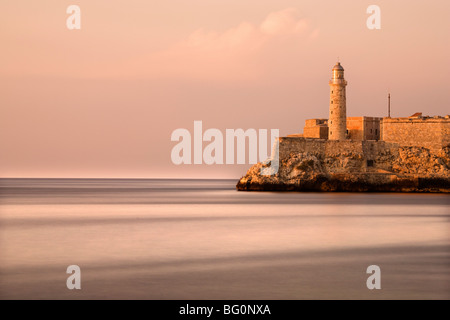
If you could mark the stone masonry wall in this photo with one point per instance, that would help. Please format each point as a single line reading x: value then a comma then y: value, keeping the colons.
x: 321, y: 165
x: 445, y: 133
x: 430, y: 133
x: 338, y: 111
x: 368, y: 150
x: 320, y: 132
x: 355, y: 127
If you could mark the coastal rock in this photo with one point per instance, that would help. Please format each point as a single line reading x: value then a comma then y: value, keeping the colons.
x: 393, y: 169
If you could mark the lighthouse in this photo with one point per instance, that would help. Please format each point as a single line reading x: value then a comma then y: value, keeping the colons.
x: 337, y: 122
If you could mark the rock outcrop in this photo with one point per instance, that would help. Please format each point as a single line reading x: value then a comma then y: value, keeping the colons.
x: 390, y: 168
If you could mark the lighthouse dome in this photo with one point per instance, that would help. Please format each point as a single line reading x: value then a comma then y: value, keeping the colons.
x: 338, y: 67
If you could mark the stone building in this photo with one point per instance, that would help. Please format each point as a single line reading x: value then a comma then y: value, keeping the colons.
x: 316, y: 128
x: 416, y: 130
x: 363, y: 128
x: 358, y: 128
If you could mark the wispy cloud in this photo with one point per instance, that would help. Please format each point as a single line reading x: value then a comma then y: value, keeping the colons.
x: 284, y: 22
x: 280, y: 23
x: 236, y: 53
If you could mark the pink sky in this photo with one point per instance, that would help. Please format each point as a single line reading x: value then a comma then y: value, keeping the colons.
x: 103, y: 101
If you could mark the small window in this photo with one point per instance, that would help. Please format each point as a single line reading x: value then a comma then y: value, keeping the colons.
x: 370, y: 163
x: 331, y: 111
x: 331, y: 101
x: 331, y: 132
x: 370, y: 130
x: 332, y: 91
x: 376, y: 131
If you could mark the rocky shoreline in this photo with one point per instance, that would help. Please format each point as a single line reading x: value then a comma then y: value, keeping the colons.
x: 402, y: 169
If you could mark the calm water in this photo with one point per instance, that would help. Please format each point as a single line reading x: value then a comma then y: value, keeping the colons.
x: 201, y: 239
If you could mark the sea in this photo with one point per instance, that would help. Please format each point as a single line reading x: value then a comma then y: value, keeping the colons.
x: 202, y: 239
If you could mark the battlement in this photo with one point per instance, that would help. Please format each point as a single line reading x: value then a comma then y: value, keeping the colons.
x: 418, y: 118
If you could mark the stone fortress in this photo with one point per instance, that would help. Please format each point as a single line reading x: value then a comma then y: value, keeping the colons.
x: 416, y: 130
x: 410, y: 154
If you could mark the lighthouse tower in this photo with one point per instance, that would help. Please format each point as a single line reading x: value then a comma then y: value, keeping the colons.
x: 337, y: 122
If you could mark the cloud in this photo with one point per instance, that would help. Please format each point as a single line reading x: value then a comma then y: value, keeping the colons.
x: 243, y: 52
x: 283, y: 22
x: 240, y: 53
x: 212, y: 40
x: 286, y: 22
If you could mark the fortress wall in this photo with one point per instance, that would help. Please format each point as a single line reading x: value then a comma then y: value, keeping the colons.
x: 369, y: 150
x: 429, y: 133
x: 371, y: 128
x: 334, y: 148
x: 445, y: 132
x: 373, y: 150
x: 297, y: 145
x: 364, y: 154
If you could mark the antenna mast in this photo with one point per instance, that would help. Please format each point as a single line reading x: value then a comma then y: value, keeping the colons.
x: 389, y: 105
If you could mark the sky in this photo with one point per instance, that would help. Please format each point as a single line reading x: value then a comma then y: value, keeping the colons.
x: 103, y: 101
